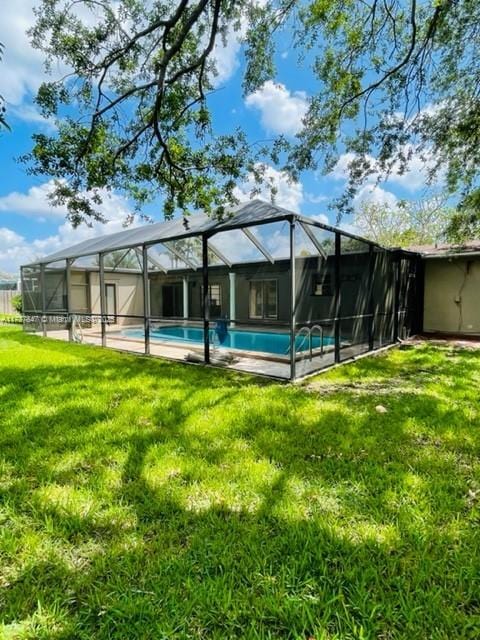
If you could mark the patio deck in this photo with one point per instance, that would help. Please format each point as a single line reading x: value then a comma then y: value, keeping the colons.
x: 251, y: 363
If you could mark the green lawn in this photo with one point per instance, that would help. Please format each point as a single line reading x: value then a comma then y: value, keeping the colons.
x: 145, y: 499
x: 10, y: 318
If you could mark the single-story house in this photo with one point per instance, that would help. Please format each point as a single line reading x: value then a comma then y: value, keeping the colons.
x: 263, y: 289
x: 451, y: 300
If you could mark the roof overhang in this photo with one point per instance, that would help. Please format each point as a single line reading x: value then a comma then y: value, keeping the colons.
x: 451, y: 256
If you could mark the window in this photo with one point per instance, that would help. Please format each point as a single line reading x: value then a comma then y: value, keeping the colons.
x: 322, y: 285
x: 215, y: 299
x: 111, y: 302
x: 80, y: 292
x: 172, y: 300
x: 214, y: 294
x: 263, y: 299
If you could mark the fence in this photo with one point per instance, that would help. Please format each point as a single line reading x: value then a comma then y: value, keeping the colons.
x: 6, y: 300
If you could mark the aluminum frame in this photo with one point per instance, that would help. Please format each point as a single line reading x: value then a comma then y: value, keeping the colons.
x: 208, y: 231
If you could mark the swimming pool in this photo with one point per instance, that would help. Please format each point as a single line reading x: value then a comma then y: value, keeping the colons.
x: 243, y: 339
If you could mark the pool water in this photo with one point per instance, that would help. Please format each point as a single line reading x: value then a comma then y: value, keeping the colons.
x: 264, y: 341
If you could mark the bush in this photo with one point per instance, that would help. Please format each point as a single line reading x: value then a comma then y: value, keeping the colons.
x: 17, y: 303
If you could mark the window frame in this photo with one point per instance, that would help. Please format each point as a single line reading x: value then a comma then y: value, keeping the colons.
x: 262, y: 282
x: 111, y: 318
x: 326, y: 283
x: 220, y: 294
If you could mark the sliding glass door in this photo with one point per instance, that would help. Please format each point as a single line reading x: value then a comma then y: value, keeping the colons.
x: 263, y: 300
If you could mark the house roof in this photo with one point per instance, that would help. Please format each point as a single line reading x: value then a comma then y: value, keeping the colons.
x: 447, y: 250
x: 247, y: 213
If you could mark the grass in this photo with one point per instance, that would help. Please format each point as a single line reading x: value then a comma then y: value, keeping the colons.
x: 10, y: 318
x: 145, y: 499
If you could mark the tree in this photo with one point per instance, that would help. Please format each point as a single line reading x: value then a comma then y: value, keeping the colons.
x: 121, y: 259
x: 396, y: 79
x: 3, y: 122
x: 392, y: 80
x: 465, y: 222
x: 133, y: 110
x: 404, y: 225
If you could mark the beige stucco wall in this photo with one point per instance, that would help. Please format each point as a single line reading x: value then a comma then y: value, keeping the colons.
x: 78, y: 292
x: 452, y: 295
x: 129, y: 291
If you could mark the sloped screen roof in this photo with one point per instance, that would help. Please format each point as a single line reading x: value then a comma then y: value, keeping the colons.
x: 252, y: 212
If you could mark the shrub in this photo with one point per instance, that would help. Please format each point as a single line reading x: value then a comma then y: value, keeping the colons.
x: 17, y: 303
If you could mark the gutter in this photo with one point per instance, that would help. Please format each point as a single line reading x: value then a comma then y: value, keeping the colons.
x: 437, y: 256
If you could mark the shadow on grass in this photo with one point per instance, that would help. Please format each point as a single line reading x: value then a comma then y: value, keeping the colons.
x: 144, y: 499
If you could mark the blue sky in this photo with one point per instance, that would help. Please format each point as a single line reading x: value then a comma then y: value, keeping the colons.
x: 30, y: 227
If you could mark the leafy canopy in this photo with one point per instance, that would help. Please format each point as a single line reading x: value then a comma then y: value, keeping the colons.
x: 132, y: 107
x: 3, y: 122
x: 390, y: 79
x: 404, y: 225
x: 395, y: 78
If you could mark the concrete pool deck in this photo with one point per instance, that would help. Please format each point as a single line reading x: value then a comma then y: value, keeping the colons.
x: 248, y: 362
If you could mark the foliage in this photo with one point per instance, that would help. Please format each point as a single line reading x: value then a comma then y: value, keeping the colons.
x: 404, y: 225
x: 121, y: 259
x: 17, y: 303
x: 393, y: 79
x: 146, y: 499
x: 3, y: 122
x: 140, y: 78
x: 465, y: 223
x: 396, y: 79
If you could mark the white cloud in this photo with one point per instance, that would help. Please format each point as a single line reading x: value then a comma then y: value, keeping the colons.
x: 414, y: 178
x: 34, y: 203
x: 17, y: 250
x: 416, y: 175
x: 351, y: 228
x: 9, y: 237
x: 29, y: 113
x: 22, y: 66
x: 315, y: 199
x: 320, y: 217
x: 226, y: 57
x: 340, y: 170
x: 281, y: 110
x: 289, y: 193
x: 374, y: 194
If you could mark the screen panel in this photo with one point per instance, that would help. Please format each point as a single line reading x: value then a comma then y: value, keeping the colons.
x: 123, y: 299
x: 31, y: 289
x: 355, y: 297
x: 315, y: 298
x: 83, y: 300
x: 407, y: 296
x: 383, y: 297
x: 56, y: 304
x: 175, y: 317
x: 249, y: 301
